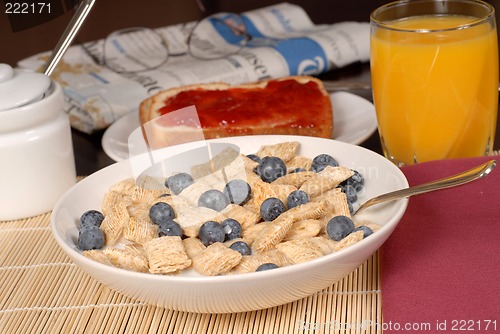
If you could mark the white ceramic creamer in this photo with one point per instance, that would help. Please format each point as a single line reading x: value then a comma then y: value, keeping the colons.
x: 36, y: 151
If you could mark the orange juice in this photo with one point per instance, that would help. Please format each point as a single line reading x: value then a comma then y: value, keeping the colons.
x: 435, y: 93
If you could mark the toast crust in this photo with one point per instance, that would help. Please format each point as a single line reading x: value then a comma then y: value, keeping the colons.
x: 294, y: 119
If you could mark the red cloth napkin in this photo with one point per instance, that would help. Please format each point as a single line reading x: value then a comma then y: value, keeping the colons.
x: 440, y: 269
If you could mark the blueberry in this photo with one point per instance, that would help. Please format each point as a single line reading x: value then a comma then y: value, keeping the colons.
x: 161, y: 212
x: 271, y: 208
x: 366, y: 230
x: 253, y: 157
x: 266, y: 266
x: 350, y: 207
x: 178, y: 182
x: 352, y: 186
x: 211, y: 232
x: 321, y: 161
x: 237, y: 191
x: 213, y: 199
x: 351, y: 193
x: 232, y: 229
x: 356, y: 180
x: 271, y: 168
x: 90, y: 237
x: 339, y: 227
x: 91, y: 217
x: 241, y: 247
x: 296, y: 198
x: 169, y: 228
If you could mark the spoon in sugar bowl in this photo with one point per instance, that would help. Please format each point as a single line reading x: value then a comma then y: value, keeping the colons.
x: 68, y: 35
x: 451, y: 181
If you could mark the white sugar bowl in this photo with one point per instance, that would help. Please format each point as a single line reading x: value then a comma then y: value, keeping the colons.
x: 37, y: 162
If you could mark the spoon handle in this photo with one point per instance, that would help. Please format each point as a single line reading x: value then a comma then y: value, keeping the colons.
x: 447, y: 182
x: 333, y: 86
x: 68, y: 35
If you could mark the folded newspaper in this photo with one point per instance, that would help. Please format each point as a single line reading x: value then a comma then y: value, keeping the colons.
x: 96, y: 96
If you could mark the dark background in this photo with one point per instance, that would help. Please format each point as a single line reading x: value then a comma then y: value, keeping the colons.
x: 109, y: 15
x: 18, y: 42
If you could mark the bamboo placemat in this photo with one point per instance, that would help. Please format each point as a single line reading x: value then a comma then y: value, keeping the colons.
x: 42, y: 291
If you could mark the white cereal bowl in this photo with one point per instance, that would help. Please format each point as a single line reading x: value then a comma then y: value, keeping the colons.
x: 241, y: 292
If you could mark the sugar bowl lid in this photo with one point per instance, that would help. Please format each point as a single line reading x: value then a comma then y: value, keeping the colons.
x: 20, y: 87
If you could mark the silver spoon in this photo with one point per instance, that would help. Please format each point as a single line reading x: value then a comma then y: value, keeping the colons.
x: 447, y: 182
x: 68, y: 35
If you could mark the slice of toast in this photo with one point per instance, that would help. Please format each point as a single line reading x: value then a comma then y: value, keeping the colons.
x: 295, y: 105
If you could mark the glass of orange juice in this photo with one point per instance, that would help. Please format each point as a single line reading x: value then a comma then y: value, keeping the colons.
x: 434, y: 67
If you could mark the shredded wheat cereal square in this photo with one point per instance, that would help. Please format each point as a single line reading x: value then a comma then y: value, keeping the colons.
x: 250, y: 263
x: 124, y: 259
x: 166, y: 255
x: 111, y: 199
x: 139, y: 210
x: 140, y: 230
x: 216, y: 259
x: 219, y: 161
x: 113, y: 224
x: 306, y: 228
x: 295, y: 179
x: 300, y: 250
x: 286, y: 151
x: 242, y: 215
x: 275, y: 256
x: 247, y: 264
x: 273, y: 233
x: 193, y: 246
x: 299, y: 162
x: 250, y: 234
x: 260, y: 192
x: 124, y: 187
x: 350, y: 240
x: 282, y: 191
x: 136, y: 249
x: 97, y: 255
x: 324, y: 244
x: 192, y: 218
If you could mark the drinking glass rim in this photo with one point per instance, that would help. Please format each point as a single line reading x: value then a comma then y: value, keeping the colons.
x: 387, y: 25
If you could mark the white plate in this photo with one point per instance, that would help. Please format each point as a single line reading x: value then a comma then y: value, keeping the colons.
x: 240, y: 292
x: 354, y: 121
